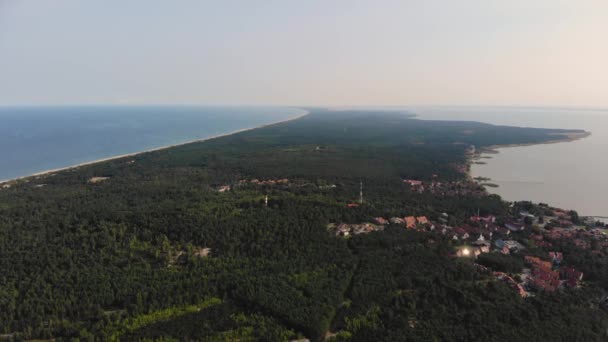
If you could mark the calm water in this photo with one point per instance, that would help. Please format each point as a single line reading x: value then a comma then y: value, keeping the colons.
x: 35, y: 139
x: 571, y: 175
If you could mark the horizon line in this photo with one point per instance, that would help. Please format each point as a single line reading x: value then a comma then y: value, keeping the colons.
x: 404, y: 106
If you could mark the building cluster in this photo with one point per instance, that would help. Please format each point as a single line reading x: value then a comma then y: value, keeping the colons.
x: 264, y: 182
x: 594, y: 239
x: 410, y: 222
x: 227, y: 187
x: 456, y: 188
x: 223, y: 188
x: 482, y: 234
x: 549, y: 229
x: 347, y: 229
x: 549, y: 276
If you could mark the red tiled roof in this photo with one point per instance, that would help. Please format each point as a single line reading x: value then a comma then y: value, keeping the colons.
x: 410, y: 221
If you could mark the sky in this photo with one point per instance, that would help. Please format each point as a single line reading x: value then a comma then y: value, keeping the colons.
x: 313, y: 52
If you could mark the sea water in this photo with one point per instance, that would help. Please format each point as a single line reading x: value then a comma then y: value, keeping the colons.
x: 571, y: 175
x: 35, y: 139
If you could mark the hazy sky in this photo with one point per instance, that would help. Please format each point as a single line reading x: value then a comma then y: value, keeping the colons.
x: 307, y: 52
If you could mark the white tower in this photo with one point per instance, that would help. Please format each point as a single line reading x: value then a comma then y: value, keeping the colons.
x: 361, y: 192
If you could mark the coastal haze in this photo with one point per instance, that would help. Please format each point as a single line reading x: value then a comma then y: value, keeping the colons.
x: 355, y: 52
x: 571, y: 175
x: 37, y: 139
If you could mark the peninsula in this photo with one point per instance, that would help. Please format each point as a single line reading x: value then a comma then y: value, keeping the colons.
x: 337, y: 226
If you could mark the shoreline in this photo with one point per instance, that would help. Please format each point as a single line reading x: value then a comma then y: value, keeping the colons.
x: 102, y: 160
x: 494, y: 149
x: 567, y: 137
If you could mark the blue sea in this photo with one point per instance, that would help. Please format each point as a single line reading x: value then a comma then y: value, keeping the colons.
x: 35, y: 139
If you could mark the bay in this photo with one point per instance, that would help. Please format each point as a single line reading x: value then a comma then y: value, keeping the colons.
x: 571, y: 175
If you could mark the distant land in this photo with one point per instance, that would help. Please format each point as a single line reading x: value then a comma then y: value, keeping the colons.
x: 338, y: 225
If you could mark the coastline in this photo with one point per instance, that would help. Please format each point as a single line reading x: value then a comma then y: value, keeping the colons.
x: 566, y: 137
x: 494, y: 149
x: 96, y: 161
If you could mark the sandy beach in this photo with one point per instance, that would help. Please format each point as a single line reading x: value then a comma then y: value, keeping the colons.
x: 72, y: 167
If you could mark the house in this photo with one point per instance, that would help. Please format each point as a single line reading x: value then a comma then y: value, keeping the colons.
x: 537, y: 263
x: 556, y: 257
x: 396, y: 220
x: 201, y: 252
x: 482, y: 245
x: 352, y: 205
x: 413, y: 182
x: 422, y: 220
x: 380, y: 220
x: 223, y: 188
x: 514, y: 245
x: 343, y: 229
x: 410, y: 222
x: 346, y: 229
x: 483, y: 219
x: 546, y: 280
x: 525, y: 214
x: 514, y: 227
x: 559, y: 233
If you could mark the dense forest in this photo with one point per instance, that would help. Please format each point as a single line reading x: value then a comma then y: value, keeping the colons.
x: 228, y: 239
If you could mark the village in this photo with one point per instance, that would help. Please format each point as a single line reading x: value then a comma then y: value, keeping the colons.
x: 531, y: 239
x: 454, y: 188
x: 531, y: 234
